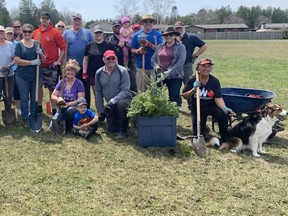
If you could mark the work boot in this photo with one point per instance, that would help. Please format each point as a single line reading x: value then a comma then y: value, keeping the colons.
x: 121, y: 135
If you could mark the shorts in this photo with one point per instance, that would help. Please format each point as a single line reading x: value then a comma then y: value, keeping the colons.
x: 91, y: 79
x: 50, y: 77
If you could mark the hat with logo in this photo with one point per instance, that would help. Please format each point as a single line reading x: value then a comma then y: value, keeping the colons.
x: 9, y: 30
x: 77, y: 16
x: 45, y: 14
x: 116, y: 23
x: 148, y: 17
x: 2, y: 28
x: 179, y: 24
x: 109, y: 53
x: 98, y: 28
x: 81, y: 101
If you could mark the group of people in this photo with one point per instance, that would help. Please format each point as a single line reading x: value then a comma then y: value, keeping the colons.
x: 112, y: 66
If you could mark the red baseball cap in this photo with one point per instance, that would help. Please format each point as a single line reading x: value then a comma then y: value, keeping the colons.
x: 136, y: 26
x: 109, y: 53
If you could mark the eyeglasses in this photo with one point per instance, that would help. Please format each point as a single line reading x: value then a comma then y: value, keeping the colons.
x: 60, y: 26
x: 170, y: 35
x: 110, y: 59
x: 27, y: 31
x: 16, y: 26
x: 148, y: 21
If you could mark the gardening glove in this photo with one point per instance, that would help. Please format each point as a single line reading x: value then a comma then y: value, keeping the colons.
x: 167, y: 75
x: 194, y: 57
x: 157, y: 69
x: 196, y: 84
x: 102, y: 117
x: 61, y: 103
x: 109, y: 107
x: 141, y: 50
x: 145, y: 43
x: 39, y: 51
x: 35, y: 62
x: 5, y: 70
x: 228, y: 111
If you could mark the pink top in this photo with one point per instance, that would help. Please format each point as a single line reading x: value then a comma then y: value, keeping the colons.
x: 166, y: 56
x: 126, y: 31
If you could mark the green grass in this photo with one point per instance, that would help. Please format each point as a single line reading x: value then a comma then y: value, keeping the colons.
x: 70, y: 176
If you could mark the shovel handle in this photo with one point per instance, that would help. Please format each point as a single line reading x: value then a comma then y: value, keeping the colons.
x: 198, y: 106
x: 37, y: 71
x: 143, y: 73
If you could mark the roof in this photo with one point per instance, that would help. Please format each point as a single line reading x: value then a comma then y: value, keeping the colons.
x: 275, y: 25
x: 221, y: 26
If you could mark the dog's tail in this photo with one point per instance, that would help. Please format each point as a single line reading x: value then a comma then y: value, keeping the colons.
x: 233, y: 143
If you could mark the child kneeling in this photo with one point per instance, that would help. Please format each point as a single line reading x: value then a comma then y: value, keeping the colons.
x: 85, y: 121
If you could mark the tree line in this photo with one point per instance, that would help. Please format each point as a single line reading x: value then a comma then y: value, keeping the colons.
x: 164, y: 11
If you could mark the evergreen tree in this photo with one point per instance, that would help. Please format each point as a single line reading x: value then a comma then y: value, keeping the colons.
x: 5, y: 19
x: 28, y: 13
x: 49, y: 6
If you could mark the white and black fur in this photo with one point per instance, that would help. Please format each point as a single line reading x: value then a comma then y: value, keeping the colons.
x: 254, y: 130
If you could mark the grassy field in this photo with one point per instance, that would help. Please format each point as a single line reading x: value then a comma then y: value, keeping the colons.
x: 44, y: 174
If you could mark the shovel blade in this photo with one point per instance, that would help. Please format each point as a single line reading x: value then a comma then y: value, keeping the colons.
x: 9, y: 116
x: 199, y: 146
x: 35, y: 123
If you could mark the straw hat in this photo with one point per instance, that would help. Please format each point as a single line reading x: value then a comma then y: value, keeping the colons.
x: 148, y: 17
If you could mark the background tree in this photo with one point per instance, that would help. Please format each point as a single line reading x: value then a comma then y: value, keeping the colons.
x: 66, y: 15
x: 126, y: 8
x: 5, y: 19
x: 49, y: 6
x: 223, y: 14
x: 14, y: 13
x: 28, y: 13
x: 174, y: 15
x: 279, y: 16
x: 159, y: 7
x: 250, y: 15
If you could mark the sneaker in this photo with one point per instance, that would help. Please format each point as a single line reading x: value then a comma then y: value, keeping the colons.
x: 121, y: 135
x: 39, y: 109
x: 89, y: 134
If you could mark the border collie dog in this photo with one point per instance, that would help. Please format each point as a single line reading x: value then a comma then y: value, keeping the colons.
x: 254, y: 130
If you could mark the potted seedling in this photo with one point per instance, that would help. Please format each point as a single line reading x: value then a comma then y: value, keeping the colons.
x: 155, y: 116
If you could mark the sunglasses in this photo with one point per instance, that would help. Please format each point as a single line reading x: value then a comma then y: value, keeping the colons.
x: 27, y: 31
x: 148, y: 21
x: 60, y: 26
x: 16, y: 26
x: 170, y: 35
x: 110, y: 59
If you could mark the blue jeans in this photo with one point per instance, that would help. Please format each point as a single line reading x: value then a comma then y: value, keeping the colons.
x: 27, y: 90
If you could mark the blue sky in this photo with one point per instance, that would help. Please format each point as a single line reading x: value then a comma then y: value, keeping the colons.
x: 99, y: 9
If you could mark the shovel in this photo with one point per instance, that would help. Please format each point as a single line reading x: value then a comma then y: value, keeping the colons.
x: 35, y: 121
x: 8, y: 115
x: 199, y: 145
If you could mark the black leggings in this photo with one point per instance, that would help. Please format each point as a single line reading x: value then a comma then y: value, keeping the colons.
x: 213, y: 111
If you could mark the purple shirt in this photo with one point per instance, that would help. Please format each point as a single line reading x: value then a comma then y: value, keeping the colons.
x: 166, y: 56
x: 72, y: 93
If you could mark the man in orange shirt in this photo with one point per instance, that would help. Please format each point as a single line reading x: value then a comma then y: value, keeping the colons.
x: 51, y: 41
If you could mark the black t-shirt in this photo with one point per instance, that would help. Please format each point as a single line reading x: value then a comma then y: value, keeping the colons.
x: 208, y: 92
x: 95, y: 52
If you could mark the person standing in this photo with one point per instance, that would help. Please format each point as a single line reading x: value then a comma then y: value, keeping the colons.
x: 52, y: 41
x: 6, y: 61
x: 143, y: 43
x: 113, y: 84
x: 93, y: 55
x: 78, y: 38
x: 190, y: 42
x: 26, y: 59
x: 171, y: 56
x: 61, y: 27
x: 115, y: 39
x: 18, y: 34
x: 9, y: 33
